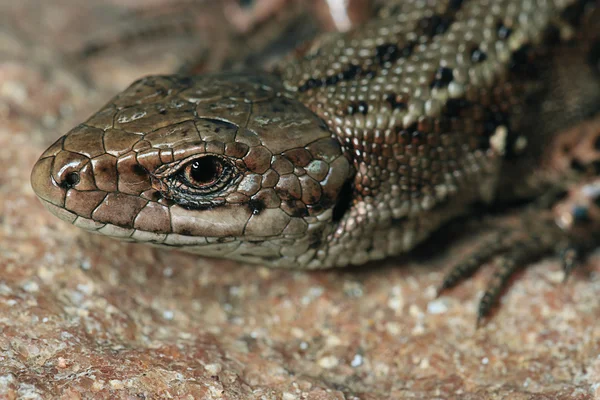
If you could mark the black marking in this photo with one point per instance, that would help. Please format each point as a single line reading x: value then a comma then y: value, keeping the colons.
x: 522, y: 62
x: 597, y: 143
x: 351, y: 72
x: 503, y: 31
x: 294, y: 208
x: 363, y: 107
x: 478, y: 55
x: 430, y: 27
x: 455, y: 5
x: 344, y: 201
x: 256, y: 206
x: 156, y: 196
x: 358, y: 107
x: 552, y: 35
x: 493, y: 119
x: 455, y: 107
x: 404, y: 134
x: 395, y: 101
x: 416, y: 136
x: 390, y: 52
x: 412, y: 127
x: 434, y: 25
x: 443, y: 77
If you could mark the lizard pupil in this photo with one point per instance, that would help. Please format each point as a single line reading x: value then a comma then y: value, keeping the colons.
x: 204, y: 171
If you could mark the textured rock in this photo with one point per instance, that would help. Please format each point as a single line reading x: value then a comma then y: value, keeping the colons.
x: 85, y: 316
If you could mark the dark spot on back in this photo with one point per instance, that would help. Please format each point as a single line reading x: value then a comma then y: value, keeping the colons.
x: 503, y: 31
x: 443, y: 77
x: 478, y: 55
x: 455, y: 107
x: 522, y: 62
x: 390, y: 52
x: 434, y: 25
x: 386, y: 52
x: 395, y: 101
x: 350, y: 72
x: 493, y: 119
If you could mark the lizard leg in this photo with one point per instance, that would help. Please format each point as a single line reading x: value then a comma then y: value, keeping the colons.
x: 572, y: 224
x: 465, y: 269
x: 516, y: 257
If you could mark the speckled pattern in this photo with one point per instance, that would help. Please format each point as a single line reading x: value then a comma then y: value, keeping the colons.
x: 85, y: 316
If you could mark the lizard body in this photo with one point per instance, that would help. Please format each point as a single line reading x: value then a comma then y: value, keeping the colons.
x: 354, y: 149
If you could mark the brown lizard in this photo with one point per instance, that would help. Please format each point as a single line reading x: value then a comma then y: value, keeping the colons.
x: 356, y: 148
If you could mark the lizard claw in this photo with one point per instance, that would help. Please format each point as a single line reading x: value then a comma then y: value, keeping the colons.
x: 539, y: 233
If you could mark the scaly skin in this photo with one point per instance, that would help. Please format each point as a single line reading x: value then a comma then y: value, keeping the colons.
x: 354, y: 150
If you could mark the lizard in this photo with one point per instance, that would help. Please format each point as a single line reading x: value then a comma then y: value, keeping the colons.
x: 356, y: 147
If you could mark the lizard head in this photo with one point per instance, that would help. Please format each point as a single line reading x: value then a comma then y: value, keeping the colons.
x: 224, y: 165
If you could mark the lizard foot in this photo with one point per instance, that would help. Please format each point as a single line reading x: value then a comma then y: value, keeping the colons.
x: 573, y: 225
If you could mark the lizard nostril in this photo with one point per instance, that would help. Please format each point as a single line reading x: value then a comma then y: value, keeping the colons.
x: 71, y: 179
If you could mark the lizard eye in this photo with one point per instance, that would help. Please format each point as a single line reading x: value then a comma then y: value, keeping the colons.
x: 203, y: 172
x: 205, y: 175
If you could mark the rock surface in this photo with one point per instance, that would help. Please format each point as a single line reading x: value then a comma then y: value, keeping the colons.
x: 84, y: 316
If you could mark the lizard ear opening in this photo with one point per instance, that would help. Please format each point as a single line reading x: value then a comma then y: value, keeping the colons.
x: 344, y: 201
